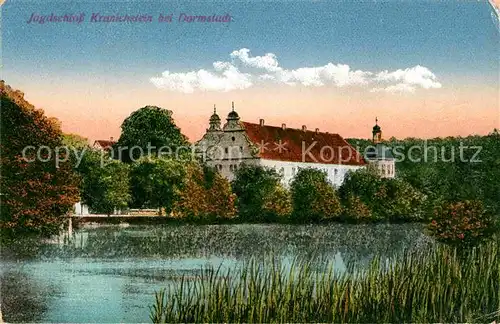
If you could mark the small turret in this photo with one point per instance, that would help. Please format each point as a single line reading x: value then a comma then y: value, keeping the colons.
x: 376, y: 132
x: 233, y: 120
x: 215, y: 122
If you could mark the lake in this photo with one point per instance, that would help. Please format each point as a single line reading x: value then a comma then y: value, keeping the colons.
x: 109, y: 273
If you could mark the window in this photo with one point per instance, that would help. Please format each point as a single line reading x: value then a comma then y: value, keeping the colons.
x: 294, y: 170
x: 241, y: 148
x: 233, y: 138
x: 226, y: 150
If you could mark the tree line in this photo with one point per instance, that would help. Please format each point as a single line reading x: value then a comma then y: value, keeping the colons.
x: 37, y: 195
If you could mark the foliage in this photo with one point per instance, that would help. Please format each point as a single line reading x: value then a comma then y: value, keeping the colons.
x: 278, y: 204
x: 431, y: 286
x: 463, y: 223
x: 154, y: 182
x: 390, y: 199
x: 152, y: 127
x: 253, y: 185
x: 105, y: 182
x: 314, y: 198
x: 204, y: 193
x: 355, y: 209
x: 220, y: 197
x: 36, y: 195
x: 449, y: 169
x: 75, y: 141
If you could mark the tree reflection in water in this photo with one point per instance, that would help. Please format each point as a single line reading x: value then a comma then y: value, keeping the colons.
x: 356, y: 243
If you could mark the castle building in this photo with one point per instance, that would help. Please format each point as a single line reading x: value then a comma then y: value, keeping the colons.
x: 284, y: 149
x: 380, y: 156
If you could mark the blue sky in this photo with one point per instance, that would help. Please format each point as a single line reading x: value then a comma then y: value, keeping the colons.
x: 455, y: 39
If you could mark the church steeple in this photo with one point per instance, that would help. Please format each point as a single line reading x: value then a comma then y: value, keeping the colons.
x: 214, y: 122
x: 376, y: 132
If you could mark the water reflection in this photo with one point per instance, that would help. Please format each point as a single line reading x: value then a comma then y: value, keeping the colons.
x: 109, y: 273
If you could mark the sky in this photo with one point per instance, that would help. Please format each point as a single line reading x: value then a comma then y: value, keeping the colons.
x: 423, y: 68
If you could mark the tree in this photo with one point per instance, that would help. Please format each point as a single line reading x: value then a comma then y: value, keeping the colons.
x: 363, y: 183
x: 105, y: 182
x: 390, y: 199
x: 149, y: 126
x: 204, y: 193
x: 252, y: 186
x: 155, y: 182
x: 314, y: 198
x: 36, y: 194
x: 278, y: 204
x: 75, y: 141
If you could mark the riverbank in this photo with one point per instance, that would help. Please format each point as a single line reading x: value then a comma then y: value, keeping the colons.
x: 152, y: 220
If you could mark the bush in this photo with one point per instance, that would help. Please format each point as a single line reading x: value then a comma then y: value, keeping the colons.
x: 314, y: 198
x: 463, y: 223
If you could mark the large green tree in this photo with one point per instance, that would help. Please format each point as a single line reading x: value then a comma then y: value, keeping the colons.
x: 253, y: 186
x: 105, y: 182
x: 149, y: 126
x: 313, y: 196
x: 155, y: 182
x: 389, y: 199
x: 35, y: 194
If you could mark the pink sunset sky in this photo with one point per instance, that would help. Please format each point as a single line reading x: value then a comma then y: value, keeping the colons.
x: 96, y: 111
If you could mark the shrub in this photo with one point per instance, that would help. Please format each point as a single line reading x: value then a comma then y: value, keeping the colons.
x: 314, y: 198
x: 463, y: 223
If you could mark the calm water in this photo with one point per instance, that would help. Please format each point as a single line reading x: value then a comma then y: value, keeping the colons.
x: 110, y: 273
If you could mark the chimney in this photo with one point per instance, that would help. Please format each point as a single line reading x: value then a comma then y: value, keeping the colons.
x: 261, y: 122
x: 304, y: 128
x: 317, y: 130
x: 283, y: 126
x: 111, y: 138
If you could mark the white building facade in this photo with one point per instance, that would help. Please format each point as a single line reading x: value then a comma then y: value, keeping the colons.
x: 284, y: 149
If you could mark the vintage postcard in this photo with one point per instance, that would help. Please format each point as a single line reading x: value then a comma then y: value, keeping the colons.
x: 250, y: 161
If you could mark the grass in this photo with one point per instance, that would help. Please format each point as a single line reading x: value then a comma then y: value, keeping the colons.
x: 436, y: 285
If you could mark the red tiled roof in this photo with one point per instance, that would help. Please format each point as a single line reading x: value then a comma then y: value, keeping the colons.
x: 105, y: 143
x: 301, y: 146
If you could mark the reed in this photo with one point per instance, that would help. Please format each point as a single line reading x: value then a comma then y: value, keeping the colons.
x: 437, y: 285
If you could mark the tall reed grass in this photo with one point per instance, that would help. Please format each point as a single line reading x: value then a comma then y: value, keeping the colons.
x: 437, y: 285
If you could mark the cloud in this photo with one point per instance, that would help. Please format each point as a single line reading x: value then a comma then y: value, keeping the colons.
x: 227, y: 76
x: 413, y: 77
x: 268, y: 62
